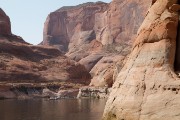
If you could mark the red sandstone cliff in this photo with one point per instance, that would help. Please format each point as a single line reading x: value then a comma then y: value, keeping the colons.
x: 22, y: 64
x: 66, y: 23
x: 96, y: 34
x: 116, y: 22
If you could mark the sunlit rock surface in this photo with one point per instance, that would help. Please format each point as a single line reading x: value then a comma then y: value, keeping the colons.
x: 147, y: 87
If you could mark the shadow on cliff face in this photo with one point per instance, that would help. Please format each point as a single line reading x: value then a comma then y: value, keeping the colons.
x: 177, y: 57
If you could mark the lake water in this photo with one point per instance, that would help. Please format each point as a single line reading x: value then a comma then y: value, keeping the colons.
x: 44, y: 109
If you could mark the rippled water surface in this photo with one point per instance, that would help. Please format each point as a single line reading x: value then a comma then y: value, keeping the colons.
x: 43, y: 109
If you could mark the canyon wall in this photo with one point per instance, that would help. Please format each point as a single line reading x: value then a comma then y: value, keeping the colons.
x: 116, y: 22
x: 97, y: 35
x: 147, y: 87
x: 66, y: 23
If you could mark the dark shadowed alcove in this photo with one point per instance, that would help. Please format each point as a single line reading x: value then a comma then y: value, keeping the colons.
x: 177, y: 57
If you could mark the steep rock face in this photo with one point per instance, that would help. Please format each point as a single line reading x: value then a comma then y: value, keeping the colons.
x: 5, y: 25
x: 115, y: 29
x: 96, y: 28
x: 123, y: 19
x: 147, y: 87
x: 113, y: 23
x: 66, y: 23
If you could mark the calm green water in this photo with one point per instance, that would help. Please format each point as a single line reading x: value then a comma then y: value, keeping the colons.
x: 43, y: 109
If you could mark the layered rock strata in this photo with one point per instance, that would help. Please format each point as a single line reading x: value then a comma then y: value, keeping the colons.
x: 67, y: 23
x: 92, y: 32
x: 24, y: 67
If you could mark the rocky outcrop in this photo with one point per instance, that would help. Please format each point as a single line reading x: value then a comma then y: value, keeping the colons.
x: 5, y: 25
x: 123, y: 19
x: 94, y: 92
x: 29, y: 91
x: 61, y: 93
x: 99, y: 28
x: 90, y: 61
x: 66, y: 24
x: 116, y: 22
x: 147, y: 87
x: 22, y: 64
x: 104, y: 71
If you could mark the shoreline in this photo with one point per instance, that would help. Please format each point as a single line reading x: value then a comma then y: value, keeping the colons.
x: 52, y: 91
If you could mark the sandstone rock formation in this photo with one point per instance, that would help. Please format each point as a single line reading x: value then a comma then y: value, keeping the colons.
x: 21, y: 61
x: 91, y: 29
x: 5, y: 25
x: 147, y: 87
x: 110, y: 23
x: 123, y: 20
x: 68, y: 22
x: 94, y: 92
x: 105, y: 69
x: 24, y: 66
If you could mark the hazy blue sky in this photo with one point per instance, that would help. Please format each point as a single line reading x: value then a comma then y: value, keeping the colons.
x: 28, y: 16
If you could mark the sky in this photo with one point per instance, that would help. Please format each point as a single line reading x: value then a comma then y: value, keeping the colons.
x: 28, y: 16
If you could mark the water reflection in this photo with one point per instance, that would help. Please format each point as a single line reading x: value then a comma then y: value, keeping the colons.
x: 41, y: 109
